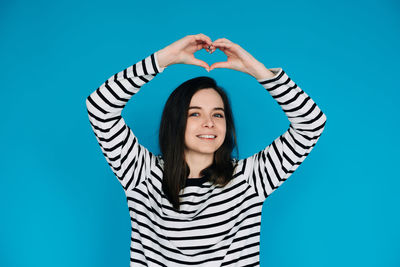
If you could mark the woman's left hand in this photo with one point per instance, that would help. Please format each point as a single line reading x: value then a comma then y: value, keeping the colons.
x: 239, y: 59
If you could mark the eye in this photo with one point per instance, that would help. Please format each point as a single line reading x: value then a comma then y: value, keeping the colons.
x: 196, y: 113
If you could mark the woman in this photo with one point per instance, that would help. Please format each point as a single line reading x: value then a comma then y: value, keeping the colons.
x: 194, y: 204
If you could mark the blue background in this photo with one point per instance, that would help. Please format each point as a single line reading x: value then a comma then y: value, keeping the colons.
x: 60, y: 203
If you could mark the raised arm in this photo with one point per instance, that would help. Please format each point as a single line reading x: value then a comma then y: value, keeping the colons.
x: 268, y: 169
x: 127, y: 158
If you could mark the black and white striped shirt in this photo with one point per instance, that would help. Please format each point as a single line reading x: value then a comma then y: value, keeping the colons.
x: 217, y: 226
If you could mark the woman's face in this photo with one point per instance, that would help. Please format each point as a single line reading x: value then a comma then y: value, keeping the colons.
x: 206, y: 116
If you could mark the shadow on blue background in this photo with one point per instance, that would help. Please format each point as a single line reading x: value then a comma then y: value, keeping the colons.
x: 61, y: 204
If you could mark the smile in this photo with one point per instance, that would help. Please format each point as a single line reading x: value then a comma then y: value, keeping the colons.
x: 209, y: 137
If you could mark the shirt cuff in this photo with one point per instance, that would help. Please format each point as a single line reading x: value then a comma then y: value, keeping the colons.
x: 157, y: 64
x: 276, y: 71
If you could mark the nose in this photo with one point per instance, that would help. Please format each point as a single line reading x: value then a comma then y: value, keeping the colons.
x: 208, y: 122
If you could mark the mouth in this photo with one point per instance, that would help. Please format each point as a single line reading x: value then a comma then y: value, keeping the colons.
x: 207, y: 136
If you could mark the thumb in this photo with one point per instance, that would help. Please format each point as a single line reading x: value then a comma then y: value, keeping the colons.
x: 219, y: 65
x: 200, y: 63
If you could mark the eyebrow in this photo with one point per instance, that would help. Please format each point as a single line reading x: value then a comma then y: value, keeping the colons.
x: 216, y: 108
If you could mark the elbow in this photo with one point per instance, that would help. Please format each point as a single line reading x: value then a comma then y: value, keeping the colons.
x: 323, y: 122
x: 89, y: 101
x: 89, y: 105
x: 324, y: 117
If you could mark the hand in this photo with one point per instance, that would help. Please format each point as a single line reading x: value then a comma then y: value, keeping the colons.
x: 182, y: 51
x: 240, y: 60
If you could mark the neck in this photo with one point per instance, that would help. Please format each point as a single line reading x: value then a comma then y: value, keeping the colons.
x: 198, y: 162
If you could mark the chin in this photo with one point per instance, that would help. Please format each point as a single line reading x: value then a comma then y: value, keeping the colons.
x: 207, y: 151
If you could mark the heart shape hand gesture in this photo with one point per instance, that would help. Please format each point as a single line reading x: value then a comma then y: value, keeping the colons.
x: 182, y: 52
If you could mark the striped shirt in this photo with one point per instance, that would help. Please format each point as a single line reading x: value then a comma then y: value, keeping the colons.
x: 216, y: 226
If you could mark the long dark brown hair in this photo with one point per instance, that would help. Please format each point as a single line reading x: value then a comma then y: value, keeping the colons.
x: 172, y: 140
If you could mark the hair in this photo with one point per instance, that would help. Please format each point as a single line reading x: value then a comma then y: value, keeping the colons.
x: 172, y: 140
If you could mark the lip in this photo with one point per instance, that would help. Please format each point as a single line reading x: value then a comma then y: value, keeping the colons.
x: 203, y: 138
x: 206, y: 139
x: 206, y: 134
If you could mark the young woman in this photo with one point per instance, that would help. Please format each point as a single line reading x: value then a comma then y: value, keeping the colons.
x: 194, y: 205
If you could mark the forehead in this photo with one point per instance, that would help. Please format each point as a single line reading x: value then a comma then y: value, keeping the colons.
x: 207, y: 98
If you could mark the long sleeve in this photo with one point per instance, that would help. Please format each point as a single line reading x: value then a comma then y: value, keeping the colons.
x: 129, y: 160
x: 269, y: 168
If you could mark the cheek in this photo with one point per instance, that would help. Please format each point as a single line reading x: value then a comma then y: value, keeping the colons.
x: 190, y: 131
x: 189, y: 128
x: 223, y: 127
x: 222, y: 131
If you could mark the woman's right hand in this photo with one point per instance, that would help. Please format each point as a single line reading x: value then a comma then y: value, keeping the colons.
x: 182, y: 51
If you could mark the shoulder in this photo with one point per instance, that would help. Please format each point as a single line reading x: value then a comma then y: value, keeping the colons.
x: 160, y: 159
x: 235, y: 162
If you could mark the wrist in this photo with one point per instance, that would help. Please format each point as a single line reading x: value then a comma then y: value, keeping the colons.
x: 261, y: 73
x: 163, y: 58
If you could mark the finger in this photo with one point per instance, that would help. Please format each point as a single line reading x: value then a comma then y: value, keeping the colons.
x: 201, y: 43
x: 208, y: 48
x: 199, y: 46
x: 202, y: 38
x: 224, y: 46
x: 209, y: 42
x: 222, y: 40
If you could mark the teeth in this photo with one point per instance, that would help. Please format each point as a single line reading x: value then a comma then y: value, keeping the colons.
x: 207, y: 136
